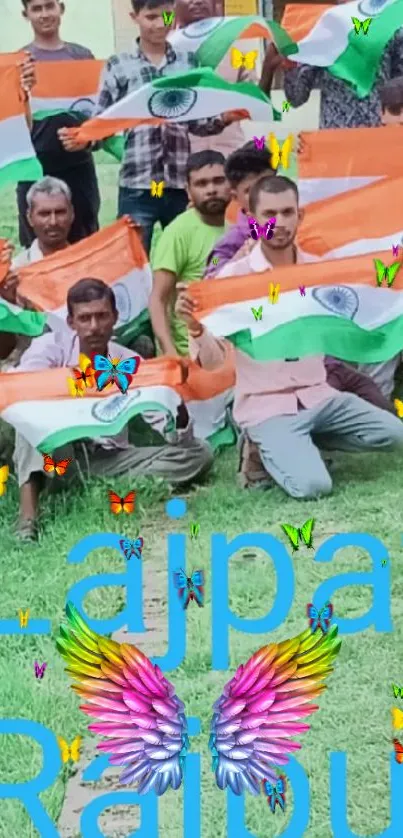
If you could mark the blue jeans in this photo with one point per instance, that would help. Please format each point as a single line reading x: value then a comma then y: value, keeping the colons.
x: 146, y: 210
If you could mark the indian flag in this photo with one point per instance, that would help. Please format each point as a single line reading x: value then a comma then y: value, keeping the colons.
x: 343, y: 312
x: 114, y: 254
x: 38, y: 406
x: 197, y: 94
x: 327, y: 37
x: 210, y: 39
x: 356, y: 222
x: 17, y: 155
x: 337, y: 160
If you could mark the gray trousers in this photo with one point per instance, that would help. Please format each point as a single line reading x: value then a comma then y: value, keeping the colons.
x: 288, y: 444
x: 176, y: 463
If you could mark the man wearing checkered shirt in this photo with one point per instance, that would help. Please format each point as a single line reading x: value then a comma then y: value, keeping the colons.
x: 152, y: 152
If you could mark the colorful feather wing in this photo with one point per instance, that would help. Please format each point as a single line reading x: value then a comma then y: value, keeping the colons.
x: 261, y: 709
x: 135, y: 705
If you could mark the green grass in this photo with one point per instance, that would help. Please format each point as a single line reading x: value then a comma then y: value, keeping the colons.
x: 354, y: 713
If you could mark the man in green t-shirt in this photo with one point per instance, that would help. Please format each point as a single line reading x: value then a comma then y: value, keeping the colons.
x: 182, y: 250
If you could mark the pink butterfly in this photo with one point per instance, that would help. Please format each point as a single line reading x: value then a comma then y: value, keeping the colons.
x: 302, y: 290
x: 395, y: 248
x: 256, y: 230
x: 259, y: 144
x: 39, y: 670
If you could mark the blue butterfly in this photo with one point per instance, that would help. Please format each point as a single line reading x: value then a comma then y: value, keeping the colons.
x: 319, y: 618
x: 190, y: 587
x: 275, y: 794
x: 131, y: 548
x: 110, y: 370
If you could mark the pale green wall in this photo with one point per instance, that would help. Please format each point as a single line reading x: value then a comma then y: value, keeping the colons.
x: 88, y: 22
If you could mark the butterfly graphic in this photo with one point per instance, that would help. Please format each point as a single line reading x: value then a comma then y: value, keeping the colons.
x: 274, y: 292
x: 194, y: 529
x: 286, y: 106
x: 23, y: 617
x: 82, y: 378
x: 39, y: 670
x: 146, y: 725
x: 397, y: 691
x: 257, y: 312
x: 319, y: 618
x: 256, y: 230
x: 397, y: 718
x: 67, y: 751
x: 60, y: 467
x: 275, y: 793
x: 119, y: 504
x: 302, y: 290
x: 190, y: 587
x: 305, y: 533
x: 395, y: 249
x: 280, y: 155
x: 4, y: 474
x: 259, y: 144
x: 241, y: 59
x: 157, y: 189
x: 383, y: 562
x: 215, y: 260
x: 399, y: 408
x: 387, y: 272
x: 168, y: 18
x: 112, y: 370
x: 398, y: 751
x: 131, y: 548
x: 364, y: 24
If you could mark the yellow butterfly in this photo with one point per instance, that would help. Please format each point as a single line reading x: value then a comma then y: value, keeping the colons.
x: 69, y: 751
x: 397, y: 718
x: 4, y: 472
x: 399, y: 408
x: 243, y: 59
x: 274, y: 293
x: 23, y: 618
x: 157, y: 189
x: 280, y: 155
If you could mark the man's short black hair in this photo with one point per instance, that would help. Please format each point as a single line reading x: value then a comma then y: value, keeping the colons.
x: 199, y: 159
x: 245, y: 161
x: 391, y: 94
x: 26, y: 3
x: 272, y: 185
x: 139, y: 5
x: 88, y: 289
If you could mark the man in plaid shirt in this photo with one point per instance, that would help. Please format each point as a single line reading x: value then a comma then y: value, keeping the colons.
x: 160, y: 152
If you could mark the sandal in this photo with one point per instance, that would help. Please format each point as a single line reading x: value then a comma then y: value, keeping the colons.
x: 27, y: 530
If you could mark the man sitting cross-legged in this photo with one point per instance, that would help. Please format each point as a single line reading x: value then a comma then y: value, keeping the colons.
x: 92, y: 315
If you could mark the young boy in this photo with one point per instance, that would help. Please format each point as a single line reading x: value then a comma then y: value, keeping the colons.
x: 152, y: 152
x: 243, y: 168
x: 392, y: 101
x: 77, y: 170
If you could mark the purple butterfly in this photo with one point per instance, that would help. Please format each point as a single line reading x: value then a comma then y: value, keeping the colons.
x: 39, y: 670
x: 395, y: 248
x: 302, y: 290
x: 259, y: 144
x: 256, y: 230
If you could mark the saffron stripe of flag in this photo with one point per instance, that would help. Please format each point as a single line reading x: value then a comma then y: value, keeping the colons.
x: 17, y: 155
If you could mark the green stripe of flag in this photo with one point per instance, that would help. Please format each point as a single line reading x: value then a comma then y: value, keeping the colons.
x: 21, y: 321
x: 213, y: 49
x: 27, y: 169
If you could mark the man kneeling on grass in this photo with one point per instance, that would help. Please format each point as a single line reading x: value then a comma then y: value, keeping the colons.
x: 288, y: 409
x: 92, y: 315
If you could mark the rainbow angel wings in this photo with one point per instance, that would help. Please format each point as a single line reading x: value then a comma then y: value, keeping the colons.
x: 254, y: 721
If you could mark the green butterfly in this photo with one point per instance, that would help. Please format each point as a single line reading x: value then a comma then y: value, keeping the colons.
x: 397, y: 691
x: 194, y: 529
x: 361, y: 23
x: 304, y: 534
x: 258, y: 312
x: 387, y: 272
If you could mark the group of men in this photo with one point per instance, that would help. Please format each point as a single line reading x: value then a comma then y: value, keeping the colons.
x: 285, y: 410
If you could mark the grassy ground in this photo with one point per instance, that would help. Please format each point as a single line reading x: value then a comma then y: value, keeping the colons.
x: 354, y: 714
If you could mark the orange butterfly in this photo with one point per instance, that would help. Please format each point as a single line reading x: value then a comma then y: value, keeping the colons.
x: 398, y: 751
x: 49, y: 464
x: 83, y: 377
x: 119, y: 504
